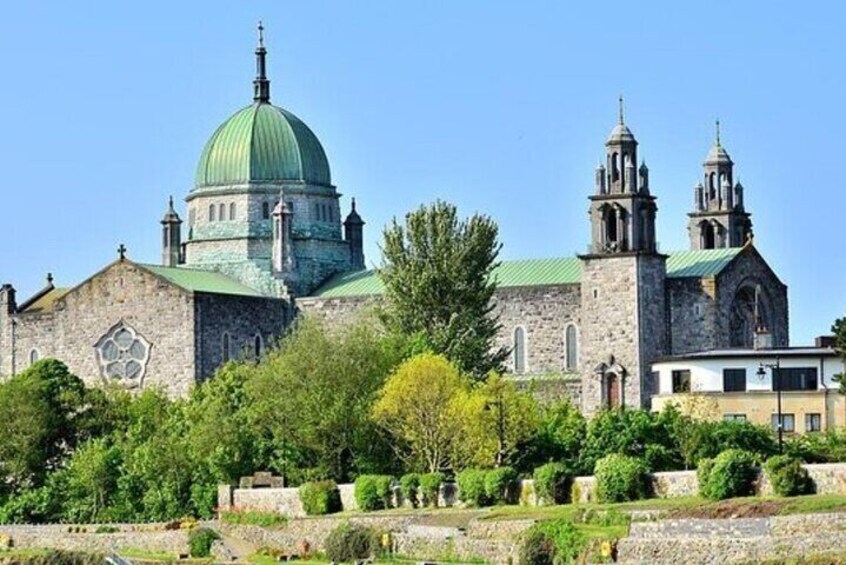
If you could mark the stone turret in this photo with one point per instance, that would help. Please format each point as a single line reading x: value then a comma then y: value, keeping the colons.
x: 354, y: 236
x: 171, y: 237
x: 719, y: 218
x: 8, y: 307
x: 283, y: 245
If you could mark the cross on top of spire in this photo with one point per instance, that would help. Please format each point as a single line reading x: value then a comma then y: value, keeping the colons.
x: 718, y: 131
x: 261, y: 86
x: 261, y: 34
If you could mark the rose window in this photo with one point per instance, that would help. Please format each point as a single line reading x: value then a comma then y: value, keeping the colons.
x: 123, y: 354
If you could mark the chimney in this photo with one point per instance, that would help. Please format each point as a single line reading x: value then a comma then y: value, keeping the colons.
x: 763, y: 338
x: 824, y: 341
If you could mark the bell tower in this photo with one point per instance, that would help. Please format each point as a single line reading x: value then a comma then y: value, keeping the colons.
x: 719, y: 218
x: 622, y: 211
x: 623, y: 302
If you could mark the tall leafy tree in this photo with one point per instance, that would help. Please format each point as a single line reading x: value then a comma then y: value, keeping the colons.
x: 438, y: 278
x: 839, y: 331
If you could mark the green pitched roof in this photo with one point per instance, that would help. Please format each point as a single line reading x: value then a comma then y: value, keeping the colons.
x: 196, y: 280
x: 540, y: 272
x: 262, y: 142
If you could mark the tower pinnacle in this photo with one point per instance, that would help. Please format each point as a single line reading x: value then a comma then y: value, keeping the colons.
x: 621, y: 109
x: 718, y: 132
x: 261, y: 86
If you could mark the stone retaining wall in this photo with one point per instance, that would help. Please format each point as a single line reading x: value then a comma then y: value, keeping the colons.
x: 146, y: 537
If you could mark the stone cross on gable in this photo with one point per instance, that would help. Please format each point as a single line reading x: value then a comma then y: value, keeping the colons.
x: 122, y: 252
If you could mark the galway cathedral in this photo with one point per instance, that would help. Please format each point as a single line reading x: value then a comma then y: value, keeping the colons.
x: 263, y: 239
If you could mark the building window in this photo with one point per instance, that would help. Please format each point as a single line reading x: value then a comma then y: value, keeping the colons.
x: 257, y: 346
x: 796, y: 378
x: 697, y: 310
x: 734, y: 417
x: 519, y: 350
x: 788, y: 422
x: 317, y: 211
x: 813, y: 423
x: 656, y: 382
x: 226, y: 355
x: 221, y: 212
x: 211, y: 213
x: 34, y: 356
x: 265, y: 210
x: 572, y: 344
x: 123, y: 354
x: 232, y: 211
x: 734, y: 380
x: 681, y: 381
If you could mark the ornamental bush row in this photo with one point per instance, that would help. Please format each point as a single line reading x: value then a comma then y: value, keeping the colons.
x: 480, y: 487
x: 734, y: 472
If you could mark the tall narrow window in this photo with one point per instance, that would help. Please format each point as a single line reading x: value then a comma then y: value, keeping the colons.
x: 211, y: 213
x: 317, y: 211
x: 519, y: 350
x: 232, y: 211
x: 265, y: 211
x: 572, y: 343
x: 221, y: 212
x: 33, y: 356
x: 257, y: 346
x: 226, y: 355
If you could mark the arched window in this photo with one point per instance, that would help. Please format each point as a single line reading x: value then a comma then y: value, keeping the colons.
x: 232, y: 211
x: 257, y: 346
x: 265, y: 210
x: 712, y: 186
x: 221, y: 212
x: 33, y: 356
x: 709, y: 238
x: 211, y: 213
x: 519, y: 350
x: 611, y: 226
x: 317, y: 211
x: 615, y: 167
x: 571, y: 338
x: 226, y: 355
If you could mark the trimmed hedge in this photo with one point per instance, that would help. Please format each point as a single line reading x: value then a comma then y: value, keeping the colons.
x: 373, y: 492
x: 551, y: 543
x: 787, y: 476
x: 620, y: 478
x: 350, y: 542
x: 552, y: 483
x: 471, y: 487
x: 430, y: 487
x: 320, y: 497
x: 410, y: 488
x: 500, y: 485
x: 730, y: 474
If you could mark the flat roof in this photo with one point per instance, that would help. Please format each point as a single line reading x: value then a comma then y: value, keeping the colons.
x: 801, y: 351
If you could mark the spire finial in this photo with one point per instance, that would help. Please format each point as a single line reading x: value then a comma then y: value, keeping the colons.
x: 170, y: 203
x: 261, y: 86
x: 49, y: 279
x: 718, y: 132
x: 353, y: 204
x: 620, y: 100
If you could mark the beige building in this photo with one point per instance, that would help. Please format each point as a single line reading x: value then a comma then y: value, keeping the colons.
x: 739, y: 384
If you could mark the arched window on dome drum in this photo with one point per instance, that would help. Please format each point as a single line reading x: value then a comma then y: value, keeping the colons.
x: 221, y: 212
x: 226, y: 355
x: 33, y: 356
x: 211, y: 213
x: 572, y: 348
x: 232, y: 211
x: 257, y: 346
x: 519, y: 350
x: 265, y: 211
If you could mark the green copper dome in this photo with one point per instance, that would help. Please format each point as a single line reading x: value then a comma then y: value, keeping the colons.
x: 262, y: 143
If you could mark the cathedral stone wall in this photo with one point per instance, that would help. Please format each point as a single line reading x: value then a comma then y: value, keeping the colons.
x: 544, y: 312
x: 122, y: 293
x: 242, y: 319
x: 652, y: 320
x: 338, y: 311
x: 693, y: 314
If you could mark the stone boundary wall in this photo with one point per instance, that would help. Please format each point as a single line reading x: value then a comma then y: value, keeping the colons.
x: 829, y: 478
x: 140, y: 537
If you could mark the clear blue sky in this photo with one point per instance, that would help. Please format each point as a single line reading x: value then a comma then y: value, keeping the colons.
x: 502, y: 108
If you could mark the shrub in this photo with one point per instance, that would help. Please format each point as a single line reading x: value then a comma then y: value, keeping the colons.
x: 552, y: 483
x: 500, y: 485
x: 553, y: 542
x: 410, y: 486
x: 106, y: 529
x: 430, y: 487
x: 320, y: 497
x: 620, y: 478
x: 471, y: 487
x: 732, y: 473
x: 349, y: 542
x: 200, y: 541
x: 373, y: 492
x: 787, y: 476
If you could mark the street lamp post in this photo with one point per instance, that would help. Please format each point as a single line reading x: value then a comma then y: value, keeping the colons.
x: 776, y: 373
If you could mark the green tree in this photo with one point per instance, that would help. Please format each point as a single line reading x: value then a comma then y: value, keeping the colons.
x: 310, y: 401
x: 417, y: 406
x: 438, y: 279
x: 92, y: 476
x: 559, y: 437
x: 839, y: 331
